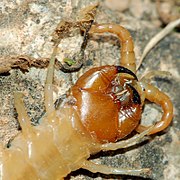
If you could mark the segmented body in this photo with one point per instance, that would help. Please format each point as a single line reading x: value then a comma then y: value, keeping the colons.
x: 107, y: 106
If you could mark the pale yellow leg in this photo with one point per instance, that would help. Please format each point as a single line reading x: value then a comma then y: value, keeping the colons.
x: 150, y: 75
x: 23, y: 118
x: 113, y: 146
x: 48, y: 90
x: 126, y: 143
x: 112, y: 170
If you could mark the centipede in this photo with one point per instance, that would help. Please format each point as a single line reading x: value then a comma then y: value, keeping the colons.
x: 103, y: 106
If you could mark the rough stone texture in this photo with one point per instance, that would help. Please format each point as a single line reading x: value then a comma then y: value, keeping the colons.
x: 26, y: 28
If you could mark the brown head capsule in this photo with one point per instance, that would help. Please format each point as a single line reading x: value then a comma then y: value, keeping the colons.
x: 108, y: 108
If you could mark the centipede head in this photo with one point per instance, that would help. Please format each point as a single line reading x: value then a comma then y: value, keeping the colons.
x: 107, y: 103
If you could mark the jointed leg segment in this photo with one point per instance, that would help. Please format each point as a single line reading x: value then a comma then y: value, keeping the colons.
x: 23, y: 118
x: 48, y: 91
x: 127, y: 45
x: 114, y: 146
x: 156, y: 96
x: 126, y: 143
x: 112, y: 170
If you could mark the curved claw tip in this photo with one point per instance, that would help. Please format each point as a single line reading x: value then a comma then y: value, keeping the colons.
x: 136, y: 96
x: 121, y: 69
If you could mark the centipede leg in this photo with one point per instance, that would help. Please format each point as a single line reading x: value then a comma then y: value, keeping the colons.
x: 48, y: 90
x: 155, y: 95
x: 127, y: 45
x: 112, y: 170
x: 126, y: 143
x: 23, y: 118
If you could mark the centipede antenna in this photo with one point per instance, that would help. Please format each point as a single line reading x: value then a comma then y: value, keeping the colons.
x: 23, y: 118
x: 112, y: 170
x: 126, y: 143
x: 48, y: 90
